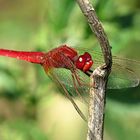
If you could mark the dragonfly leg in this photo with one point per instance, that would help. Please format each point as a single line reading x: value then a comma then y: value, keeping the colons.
x: 89, y: 72
x: 75, y: 75
x: 77, y: 91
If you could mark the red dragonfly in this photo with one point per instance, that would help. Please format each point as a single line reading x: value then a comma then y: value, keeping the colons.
x: 71, y: 71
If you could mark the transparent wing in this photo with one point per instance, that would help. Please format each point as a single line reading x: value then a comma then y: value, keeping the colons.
x: 125, y: 72
x: 63, y: 79
x: 72, y: 81
x: 121, y: 77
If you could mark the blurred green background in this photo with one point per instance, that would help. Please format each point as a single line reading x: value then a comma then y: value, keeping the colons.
x: 31, y: 108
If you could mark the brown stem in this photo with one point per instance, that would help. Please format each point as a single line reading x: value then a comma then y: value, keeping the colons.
x: 100, y: 75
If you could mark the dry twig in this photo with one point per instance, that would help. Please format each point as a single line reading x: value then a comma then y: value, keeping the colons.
x: 100, y: 75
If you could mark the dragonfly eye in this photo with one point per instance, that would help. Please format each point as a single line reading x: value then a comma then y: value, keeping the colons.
x: 84, y: 62
x: 87, y: 56
x: 80, y: 62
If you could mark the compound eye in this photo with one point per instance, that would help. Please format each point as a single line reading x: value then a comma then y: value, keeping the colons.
x: 87, y: 65
x: 84, y: 62
x: 80, y: 62
x: 87, y: 56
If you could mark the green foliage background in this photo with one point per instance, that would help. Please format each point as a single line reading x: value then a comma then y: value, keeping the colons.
x: 30, y: 107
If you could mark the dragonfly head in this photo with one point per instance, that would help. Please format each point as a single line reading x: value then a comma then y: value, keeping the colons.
x: 84, y: 62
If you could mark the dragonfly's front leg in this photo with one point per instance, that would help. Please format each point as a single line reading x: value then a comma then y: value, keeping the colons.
x: 76, y: 87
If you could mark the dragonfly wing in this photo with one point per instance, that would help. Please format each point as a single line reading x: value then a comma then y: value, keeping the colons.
x: 64, y: 80
x: 125, y: 72
x: 122, y: 77
x: 71, y: 82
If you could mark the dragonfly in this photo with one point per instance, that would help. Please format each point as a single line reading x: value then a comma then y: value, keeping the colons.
x: 71, y: 70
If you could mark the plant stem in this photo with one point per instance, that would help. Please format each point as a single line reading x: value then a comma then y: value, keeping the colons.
x: 100, y: 75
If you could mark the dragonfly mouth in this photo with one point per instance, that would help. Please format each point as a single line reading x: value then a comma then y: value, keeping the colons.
x: 89, y: 72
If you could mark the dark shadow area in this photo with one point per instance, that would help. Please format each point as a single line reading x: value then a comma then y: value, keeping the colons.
x: 125, y: 21
x: 129, y: 95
